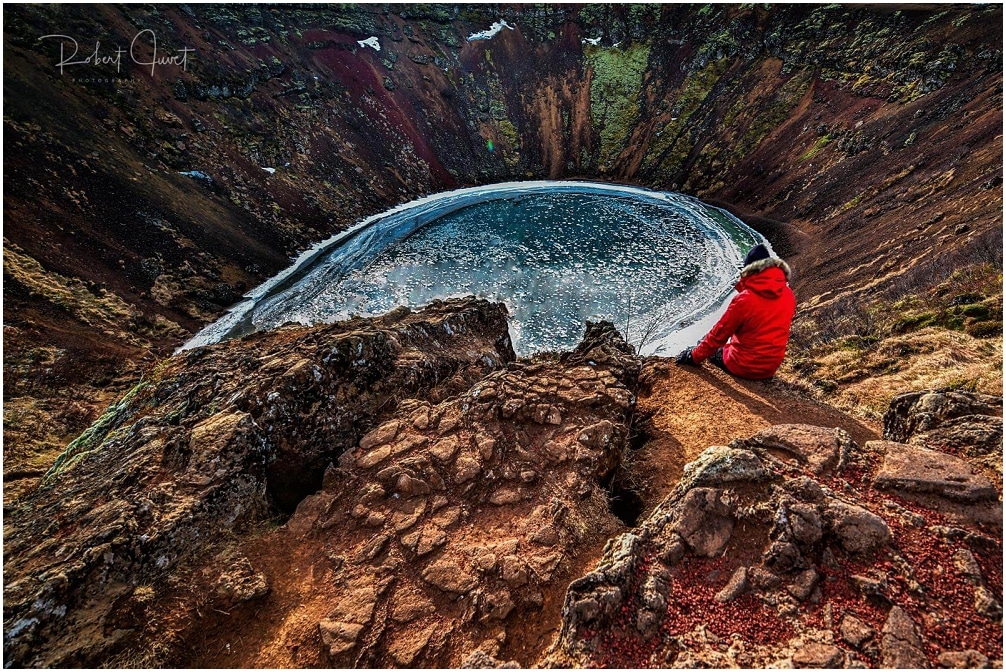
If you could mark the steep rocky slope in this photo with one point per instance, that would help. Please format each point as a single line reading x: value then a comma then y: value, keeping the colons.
x: 400, y: 492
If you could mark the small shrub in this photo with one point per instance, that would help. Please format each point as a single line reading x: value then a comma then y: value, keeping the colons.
x: 976, y: 310
x: 964, y: 299
x: 913, y: 323
x: 826, y: 386
x: 988, y: 329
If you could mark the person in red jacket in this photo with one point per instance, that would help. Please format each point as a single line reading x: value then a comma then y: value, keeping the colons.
x: 749, y: 341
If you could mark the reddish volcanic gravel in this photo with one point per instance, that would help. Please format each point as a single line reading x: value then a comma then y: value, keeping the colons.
x: 946, y: 593
x: 918, y: 569
x: 692, y: 604
x: 693, y: 585
x: 943, y: 607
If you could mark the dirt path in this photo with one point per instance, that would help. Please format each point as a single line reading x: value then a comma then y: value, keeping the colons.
x: 691, y: 409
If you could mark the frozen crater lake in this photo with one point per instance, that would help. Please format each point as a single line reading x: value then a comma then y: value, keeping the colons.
x: 659, y: 265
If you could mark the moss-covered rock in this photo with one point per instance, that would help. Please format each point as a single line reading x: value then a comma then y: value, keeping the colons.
x: 615, y: 90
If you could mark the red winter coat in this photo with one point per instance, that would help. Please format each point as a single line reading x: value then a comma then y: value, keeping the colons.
x: 755, y: 329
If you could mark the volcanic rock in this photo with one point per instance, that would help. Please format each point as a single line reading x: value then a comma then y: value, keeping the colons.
x: 735, y: 587
x: 858, y: 529
x: 804, y: 584
x: 704, y: 521
x: 963, y: 660
x: 913, y: 469
x: 339, y: 637
x: 801, y: 536
x: 226, y: 433
x: 940, y: 414
x: 240, y: 582
x: 822, y: 450
x: 855, y: 632
x: 451, y: 503
x: 901, y: 646
x: 818, y: 656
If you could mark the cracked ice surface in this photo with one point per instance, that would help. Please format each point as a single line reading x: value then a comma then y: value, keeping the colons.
x: 657, y: 264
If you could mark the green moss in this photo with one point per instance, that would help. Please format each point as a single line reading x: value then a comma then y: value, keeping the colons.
x: 849, y: 205
x: 509, y: 131
x: 977, y: 310
x: 95, y: 436
x: 510, y: 148
x: 593, y: 14
x: 497, y: 110
x: 614, y: 95
x: 913, y: 323
x: 642, y: 13
x: 778, y: 111
x: 858, y: 343
x: 672, y: 142
x: 821, y: 143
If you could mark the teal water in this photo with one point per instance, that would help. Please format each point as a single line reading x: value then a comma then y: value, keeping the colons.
x: 557, y: 254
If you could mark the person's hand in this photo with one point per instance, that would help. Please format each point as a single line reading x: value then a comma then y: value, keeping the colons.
x: 685, y: 357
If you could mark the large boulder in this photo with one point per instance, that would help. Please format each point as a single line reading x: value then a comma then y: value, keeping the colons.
x: 954, y: 453
x: 472, y: 510
x: 823, y: 450
x: 912, y: 469
x: 956, y: 421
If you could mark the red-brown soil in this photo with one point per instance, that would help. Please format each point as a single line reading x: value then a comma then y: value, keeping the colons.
x: 689, y: 409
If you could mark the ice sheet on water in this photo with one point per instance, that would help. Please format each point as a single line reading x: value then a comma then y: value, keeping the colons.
x: 557, y: 253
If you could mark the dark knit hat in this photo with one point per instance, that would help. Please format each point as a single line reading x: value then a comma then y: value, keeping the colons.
x: 757, y: 253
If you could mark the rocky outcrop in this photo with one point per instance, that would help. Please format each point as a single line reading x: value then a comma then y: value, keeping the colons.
x: 911, y: 469
x: 964, y: 424
x: 949, y: 421
x: 447, y: 490
x: 219, y: 440
x: 783, y: 550
x: 455, y: 519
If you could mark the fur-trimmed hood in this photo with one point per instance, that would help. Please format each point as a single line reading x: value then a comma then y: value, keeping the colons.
x: 763, y: 264
x: 769, y: 278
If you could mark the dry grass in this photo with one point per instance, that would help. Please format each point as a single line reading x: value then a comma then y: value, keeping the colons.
x: 35, y: 431
x: 946, y: 333
x: 863, y: 382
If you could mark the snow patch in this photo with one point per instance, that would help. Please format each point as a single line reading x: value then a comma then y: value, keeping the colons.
x: 491, y: 33
x: 592, y: 42
x: 370, y: 42
x: 269, y: 170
